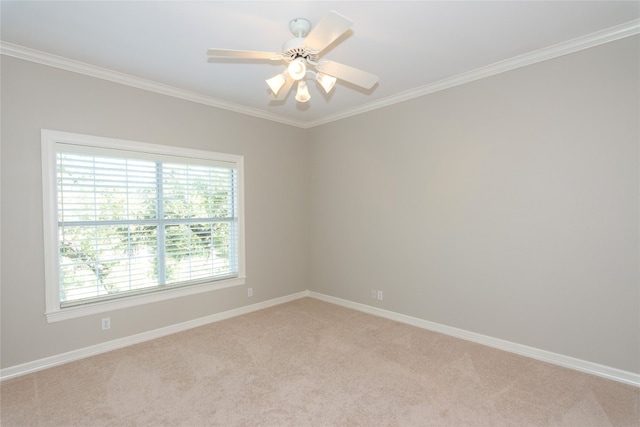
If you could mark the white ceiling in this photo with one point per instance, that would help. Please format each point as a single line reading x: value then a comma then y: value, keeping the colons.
x: 413, y: 46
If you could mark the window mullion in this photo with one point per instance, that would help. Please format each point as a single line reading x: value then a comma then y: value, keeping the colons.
x: 128, y: 216
x: 162, y: 271
x: 96, y: 241
x: 233, y: 225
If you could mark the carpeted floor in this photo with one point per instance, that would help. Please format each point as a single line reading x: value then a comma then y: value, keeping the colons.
x: 310, y: 363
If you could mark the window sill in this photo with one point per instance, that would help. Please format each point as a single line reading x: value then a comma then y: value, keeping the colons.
x: 135, y: 300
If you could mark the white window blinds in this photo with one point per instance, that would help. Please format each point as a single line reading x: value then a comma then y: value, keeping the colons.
x: 131, y: 223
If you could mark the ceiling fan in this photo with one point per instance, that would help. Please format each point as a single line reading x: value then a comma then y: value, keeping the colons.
x: 302, y: 56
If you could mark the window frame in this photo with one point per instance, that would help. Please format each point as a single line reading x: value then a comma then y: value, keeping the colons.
x: 50, y: 140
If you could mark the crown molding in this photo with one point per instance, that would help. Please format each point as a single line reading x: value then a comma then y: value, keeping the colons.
x: 627, y: 29
x: 28, y: 54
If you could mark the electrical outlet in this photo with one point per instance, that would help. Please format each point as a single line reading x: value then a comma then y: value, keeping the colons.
x: 106, y: 323
x: 250, y: 292
x: 379, y: 295
x: 374, y: 294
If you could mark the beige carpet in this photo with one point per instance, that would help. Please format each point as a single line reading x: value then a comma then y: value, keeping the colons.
x: 309, y: 363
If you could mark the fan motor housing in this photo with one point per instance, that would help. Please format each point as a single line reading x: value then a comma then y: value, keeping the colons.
x: 293, y: 49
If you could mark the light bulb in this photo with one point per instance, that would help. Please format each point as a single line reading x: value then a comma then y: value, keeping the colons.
x: 326, y: 81
x: 297, y: 69
x: 276, y: 83
x: 302, y: 94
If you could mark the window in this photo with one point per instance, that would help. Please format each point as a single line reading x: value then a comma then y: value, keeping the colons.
x: 128, y: 223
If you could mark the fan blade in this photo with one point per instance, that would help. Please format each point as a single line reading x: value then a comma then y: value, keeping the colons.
x: 284, y: 90
x: 243, y: 54
x: 347, y: 73
x: 332, y: 26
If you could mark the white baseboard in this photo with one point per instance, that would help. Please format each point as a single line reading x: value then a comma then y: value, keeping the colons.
x: 59, y: 359
x: 534, y: 353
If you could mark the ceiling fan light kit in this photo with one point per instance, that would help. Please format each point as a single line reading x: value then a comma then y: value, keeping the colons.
x: 301, y: 53
x: 297, y: 69
x: 302, y: 94
x: 275, y: 83
x: 326, y: 81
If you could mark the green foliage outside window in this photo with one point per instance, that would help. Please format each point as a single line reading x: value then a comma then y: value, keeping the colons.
x: 130, y: 224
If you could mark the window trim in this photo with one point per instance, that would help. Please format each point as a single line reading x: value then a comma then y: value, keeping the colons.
x: 49, y: 141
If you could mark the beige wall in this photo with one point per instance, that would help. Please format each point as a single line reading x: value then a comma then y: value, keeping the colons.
x: 35, y: 97
x: 508, y: 206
